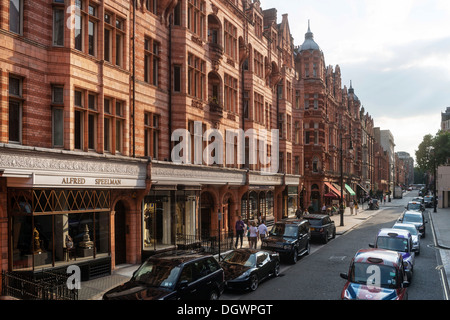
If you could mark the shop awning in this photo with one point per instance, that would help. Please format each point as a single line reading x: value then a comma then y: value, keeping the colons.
x: 332, y: 195
x: 338, y: 187
x: 350, y: 190
x: 333, y: 189
x: 363, y: 189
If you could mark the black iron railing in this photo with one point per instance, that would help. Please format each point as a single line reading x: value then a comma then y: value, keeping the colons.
x: 42, y: 285
x: 212, y: 243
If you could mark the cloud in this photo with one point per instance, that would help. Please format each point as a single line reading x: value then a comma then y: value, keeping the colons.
x: 409, y: 131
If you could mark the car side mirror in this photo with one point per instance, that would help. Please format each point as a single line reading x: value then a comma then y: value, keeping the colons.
x: 371, y: 245
x: 344, y: 275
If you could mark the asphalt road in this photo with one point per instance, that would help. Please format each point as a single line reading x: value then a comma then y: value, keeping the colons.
x: 316, y: 276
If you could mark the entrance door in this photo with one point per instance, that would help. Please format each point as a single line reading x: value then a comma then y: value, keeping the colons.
x: 120, y: 233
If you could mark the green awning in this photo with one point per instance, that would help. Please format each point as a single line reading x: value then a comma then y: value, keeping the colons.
x: 352, y: 193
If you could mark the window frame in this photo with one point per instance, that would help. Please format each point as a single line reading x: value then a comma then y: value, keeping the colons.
x: 18, y: 100
x: 20, y: 20
x: 57, y: 106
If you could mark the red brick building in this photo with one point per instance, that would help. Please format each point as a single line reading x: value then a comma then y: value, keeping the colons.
x: 107, y: 110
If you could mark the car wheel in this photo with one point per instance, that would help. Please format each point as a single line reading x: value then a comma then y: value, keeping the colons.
x: 214, y: 295
x: 276, y: 270
x: 254, y: 282
x: 294, y: 257
x: 308, y: 248
x: 325, y: 237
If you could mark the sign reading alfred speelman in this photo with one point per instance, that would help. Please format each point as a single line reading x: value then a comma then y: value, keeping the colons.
x: 82, y: 181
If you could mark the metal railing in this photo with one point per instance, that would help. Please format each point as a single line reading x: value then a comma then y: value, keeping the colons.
x: 212, y: 243
x: 43, y: 285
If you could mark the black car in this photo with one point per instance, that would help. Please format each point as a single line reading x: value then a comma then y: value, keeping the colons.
x: 321, y: 226
x: 173, y: 276
x: 428, y: 201
x: 417, y: 218
x: 246, y: 268
x: 290, y: 238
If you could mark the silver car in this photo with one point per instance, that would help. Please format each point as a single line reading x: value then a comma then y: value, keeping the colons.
x: 415, y: 235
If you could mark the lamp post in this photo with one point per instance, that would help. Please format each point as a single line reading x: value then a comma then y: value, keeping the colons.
x: 433, y: 155
x: 341, y: 201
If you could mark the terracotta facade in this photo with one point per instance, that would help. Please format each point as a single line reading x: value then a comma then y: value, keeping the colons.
x: 93, y: 92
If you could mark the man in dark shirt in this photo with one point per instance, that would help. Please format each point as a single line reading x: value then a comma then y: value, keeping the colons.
x: 240, y: 225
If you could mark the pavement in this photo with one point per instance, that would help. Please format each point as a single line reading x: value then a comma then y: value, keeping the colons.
x: 439, y: 222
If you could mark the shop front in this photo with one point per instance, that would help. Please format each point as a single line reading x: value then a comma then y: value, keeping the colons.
x: 169, y: 217
x: 257, y: 205
x: 51, y: 228
x: 61, y: 210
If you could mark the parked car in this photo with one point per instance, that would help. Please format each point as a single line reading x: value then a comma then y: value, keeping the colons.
x: 246, y: 268
x: 173, y: 276
x: 415, y: 234
x: 418, y: 199
x: 290, y: 238
x: 428, y: 201
x: 397, y: 240
x: 321, y: 226
x: 415, y: 217
x: 361, y: 283
x: 415, y: 206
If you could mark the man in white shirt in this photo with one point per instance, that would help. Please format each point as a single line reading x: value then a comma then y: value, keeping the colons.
x: 262, y: 231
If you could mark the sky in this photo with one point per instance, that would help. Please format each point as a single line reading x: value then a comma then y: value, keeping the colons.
x: 396, y: 53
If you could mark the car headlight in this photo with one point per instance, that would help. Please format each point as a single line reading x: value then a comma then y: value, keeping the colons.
x: 287, y: 246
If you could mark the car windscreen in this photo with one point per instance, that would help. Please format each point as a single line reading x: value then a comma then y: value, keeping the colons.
x: 393, y: 243
x: 412, y: 218
x: 413, y: 206
x: 284, y: 230
x: 363, y: 273
x: 158, y: 273
x: 411, y: 229
x: 241, y: 258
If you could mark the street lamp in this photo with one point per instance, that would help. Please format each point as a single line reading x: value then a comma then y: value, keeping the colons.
x: 341, y: 201
x: 433, y: 155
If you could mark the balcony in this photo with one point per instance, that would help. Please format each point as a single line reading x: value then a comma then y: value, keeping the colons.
x: 215, y: 107
x: 215, y: 53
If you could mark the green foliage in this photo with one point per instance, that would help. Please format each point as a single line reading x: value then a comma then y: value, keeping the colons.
x: 433, y: 151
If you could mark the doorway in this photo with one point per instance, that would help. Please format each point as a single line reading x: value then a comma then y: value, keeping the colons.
x: 120, y: 231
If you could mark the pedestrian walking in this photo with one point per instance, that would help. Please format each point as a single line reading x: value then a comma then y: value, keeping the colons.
x: 239, y: 227
x: 352, y: 206
x: 262, y: 231
x: 252, y: 235
x: 299, y: 213
x: 356, y: 207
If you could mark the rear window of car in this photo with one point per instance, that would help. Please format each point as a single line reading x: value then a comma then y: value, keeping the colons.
x: 315, y: 222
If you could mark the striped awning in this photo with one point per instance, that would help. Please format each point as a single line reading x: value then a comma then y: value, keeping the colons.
x: 350, y: 190
x: 333, y: 189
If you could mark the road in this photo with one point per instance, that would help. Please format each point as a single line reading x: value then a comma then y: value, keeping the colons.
x: 316, y: 276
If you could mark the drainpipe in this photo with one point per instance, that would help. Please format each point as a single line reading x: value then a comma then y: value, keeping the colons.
x: 170, y: 86
x: 134, y: 78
